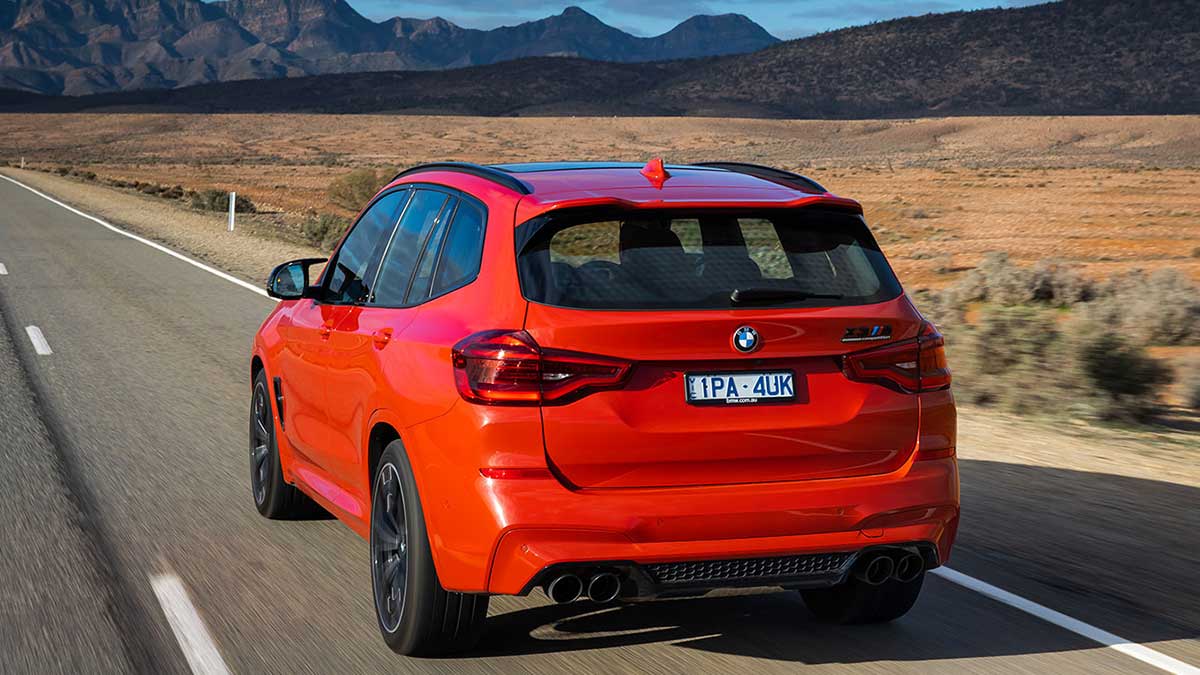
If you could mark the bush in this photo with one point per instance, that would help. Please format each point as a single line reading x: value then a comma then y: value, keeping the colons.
x: 998, y: 280
x: 217, y: 200
x: 1048, y: 339
x: 1120, y: 378
x: 1054, y: 283
x: 995, y: 361
x: 353, y: 190
x: 1162, y: 308
x: 946, y: 313
x: 1025, y: 360
x: 1191, y: 384
x: 324, y: 231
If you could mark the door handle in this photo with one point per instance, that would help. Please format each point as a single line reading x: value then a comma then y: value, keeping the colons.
x: 326, y: 328
x: 382, y: 337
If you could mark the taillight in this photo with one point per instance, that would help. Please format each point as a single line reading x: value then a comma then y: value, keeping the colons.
x: 912, y: 365
x: 500, y: 367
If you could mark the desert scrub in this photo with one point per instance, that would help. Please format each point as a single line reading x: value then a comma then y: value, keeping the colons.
x: 995, y: 360
x: 323, y: 231
x: 1046, y: 340
x: 1113, y: 374
x: 1027, y: 360
x: 998, y: 280
x: 1191, y: 384
x: 1161, y: 308
x: 353, y: 190
x: 216, y: 200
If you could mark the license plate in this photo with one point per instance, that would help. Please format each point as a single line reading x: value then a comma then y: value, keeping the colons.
x: 740, y: 388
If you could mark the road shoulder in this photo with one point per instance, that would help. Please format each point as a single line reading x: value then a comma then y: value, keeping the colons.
x: 204, y: 236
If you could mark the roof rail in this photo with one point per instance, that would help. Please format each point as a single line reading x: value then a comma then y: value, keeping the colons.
x: 767, y: 173
x: 486, y: 172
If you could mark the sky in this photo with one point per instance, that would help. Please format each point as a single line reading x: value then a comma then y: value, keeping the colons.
x: 782, y: 18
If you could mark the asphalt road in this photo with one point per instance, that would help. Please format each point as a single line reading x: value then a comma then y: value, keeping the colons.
x: 124, y: 458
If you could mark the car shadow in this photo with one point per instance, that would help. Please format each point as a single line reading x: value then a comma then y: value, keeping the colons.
x: 1114, y: 551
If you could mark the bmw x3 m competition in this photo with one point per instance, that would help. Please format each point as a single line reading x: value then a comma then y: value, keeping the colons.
x: 607, y: 382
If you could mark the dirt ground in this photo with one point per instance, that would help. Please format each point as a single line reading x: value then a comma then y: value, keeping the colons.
x: 1105, y: 193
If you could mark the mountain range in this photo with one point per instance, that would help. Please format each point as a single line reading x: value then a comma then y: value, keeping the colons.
x: 1089, y: 57
x: 79, y: 47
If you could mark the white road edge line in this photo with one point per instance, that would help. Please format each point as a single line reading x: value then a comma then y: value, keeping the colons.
x: 197, y: 645
x: 3, y: 270
x: 39, y: 341
x: 155, y: 245
x: 1120, y: 644
x: 1137, y: 651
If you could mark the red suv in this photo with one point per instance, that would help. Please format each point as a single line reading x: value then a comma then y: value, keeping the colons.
x: 608, y: 381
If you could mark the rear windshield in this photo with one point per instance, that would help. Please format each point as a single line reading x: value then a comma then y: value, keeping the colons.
x: 702, y: 260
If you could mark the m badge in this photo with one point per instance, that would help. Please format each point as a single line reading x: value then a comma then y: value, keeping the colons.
x: 867, y: 333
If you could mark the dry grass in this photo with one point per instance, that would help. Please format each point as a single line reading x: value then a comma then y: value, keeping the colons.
x: 1103, y: 194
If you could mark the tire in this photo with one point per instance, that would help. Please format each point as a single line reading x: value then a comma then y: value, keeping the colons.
x: 416, y: 616
x: 273, y: 496
x: 857, y: 602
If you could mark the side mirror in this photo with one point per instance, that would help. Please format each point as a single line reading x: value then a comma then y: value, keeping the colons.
x: 289, y: 281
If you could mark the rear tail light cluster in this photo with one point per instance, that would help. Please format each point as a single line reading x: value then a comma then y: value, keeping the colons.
x: 912, y: 366
x: 501, y: 367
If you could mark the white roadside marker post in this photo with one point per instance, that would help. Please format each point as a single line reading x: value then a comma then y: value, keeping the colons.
x: 22, y: 161
x: 232, y: 203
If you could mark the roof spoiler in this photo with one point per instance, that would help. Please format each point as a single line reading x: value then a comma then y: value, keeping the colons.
x: 492, y: 174
x: 767, y: 173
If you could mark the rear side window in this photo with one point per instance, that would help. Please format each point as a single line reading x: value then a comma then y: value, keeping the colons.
x: 702, y: 260
x: 416, y: 223
x: 463, y: 251
x: 418, y: 290
x: 352, y: 272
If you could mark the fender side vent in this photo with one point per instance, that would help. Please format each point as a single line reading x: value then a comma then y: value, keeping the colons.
x: 278, y: 386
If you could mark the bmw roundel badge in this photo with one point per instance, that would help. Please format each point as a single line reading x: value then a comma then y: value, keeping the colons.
x: 746, y: 340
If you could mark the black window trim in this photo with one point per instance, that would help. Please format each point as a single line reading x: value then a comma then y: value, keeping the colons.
x: 458, y: 197
x: 449, y: 208
x: 331, y: 264
x: 442, y: 248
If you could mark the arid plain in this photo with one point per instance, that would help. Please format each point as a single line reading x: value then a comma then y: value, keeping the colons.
x: 1105, y: 194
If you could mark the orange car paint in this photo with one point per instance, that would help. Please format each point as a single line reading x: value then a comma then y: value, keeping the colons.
x: 772, y: 487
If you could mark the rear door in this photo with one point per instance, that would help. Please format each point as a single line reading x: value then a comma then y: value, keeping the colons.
x: 656, y: 289
x: 370, y: 332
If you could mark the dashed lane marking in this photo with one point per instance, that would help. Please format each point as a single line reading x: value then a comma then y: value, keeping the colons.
x: 195, y: 642
x: 39, y: 341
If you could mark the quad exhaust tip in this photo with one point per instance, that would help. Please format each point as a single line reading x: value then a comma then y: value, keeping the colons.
x: 908, y: 567
x: 904, y: 567
x: 876, y: 570
x: 604, y: 587
x: 565, y: 588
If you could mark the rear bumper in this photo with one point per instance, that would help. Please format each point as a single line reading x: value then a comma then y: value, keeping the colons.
x: 796, y: 571
x: 498, y: 535
x: 639, y: 531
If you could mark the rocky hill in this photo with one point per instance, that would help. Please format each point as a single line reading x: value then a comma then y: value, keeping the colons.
x: 1072, y: 57
x: 79, y: 47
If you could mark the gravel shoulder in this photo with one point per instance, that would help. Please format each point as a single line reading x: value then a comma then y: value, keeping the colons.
x: 204, y: 236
